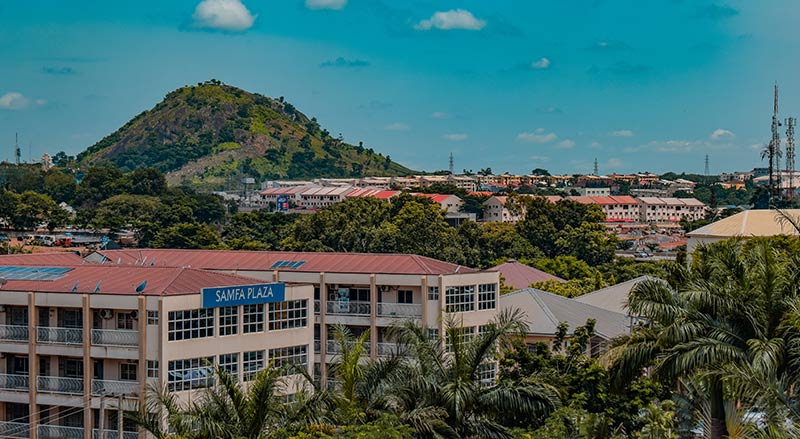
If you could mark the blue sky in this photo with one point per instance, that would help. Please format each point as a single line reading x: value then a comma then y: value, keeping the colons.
x: 509, y: 84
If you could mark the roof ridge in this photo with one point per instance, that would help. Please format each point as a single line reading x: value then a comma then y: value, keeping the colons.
x: 639, y: 278
x: 179, y: 271
x: 549, y: 314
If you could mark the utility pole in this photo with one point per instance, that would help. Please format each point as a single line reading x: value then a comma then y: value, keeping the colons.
x: 790, y: 123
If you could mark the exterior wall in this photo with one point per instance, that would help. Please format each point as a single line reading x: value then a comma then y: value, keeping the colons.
x: 594, y: 191
x: 495, y: 211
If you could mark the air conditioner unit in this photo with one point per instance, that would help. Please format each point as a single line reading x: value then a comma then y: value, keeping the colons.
x: 106, y: 313
x: 135, y: 315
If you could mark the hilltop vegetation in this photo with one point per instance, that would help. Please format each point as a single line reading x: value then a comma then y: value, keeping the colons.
x: 209, y: 134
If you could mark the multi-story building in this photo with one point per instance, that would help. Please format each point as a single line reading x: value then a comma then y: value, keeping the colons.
x: 497, y: 209
x: 617, y: 208
x: 365, y: 292
x: 594, y: 191
x: 666, y: 210
x: 81, y: 341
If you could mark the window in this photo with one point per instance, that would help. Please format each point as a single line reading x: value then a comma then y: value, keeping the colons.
x: 230, y: 362
x: 152, y: 317
x: 287, y: 315
x: 190, y: 324
x: 228, y: 320
x: 189, y: 374
x: 487, y: 374
x: 127, y: 371
x: 292, y: 355
x: 125, y: 320
x: 487, y: 296
x: 433, y: 293
x: 433, y: 334
x: 252, y: 362
x: 152, y: 368
x: 253, y: 318
x: 483, y: 329
x: 460, y: 299
x: 462, y: 335
x: 405, y: 296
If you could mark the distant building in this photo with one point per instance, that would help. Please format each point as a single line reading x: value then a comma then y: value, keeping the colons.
x: 745, y: 224
x: 496, y: 208
x: 545, y: 311
x: 594, y: 191
x: 670, y: 210
x: 617, y: 208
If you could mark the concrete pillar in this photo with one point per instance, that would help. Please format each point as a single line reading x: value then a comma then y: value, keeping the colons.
x: 323, y: 331
x: 424, y: 288
x: 141, y: 373
x: 88, y: 367
x: 442, y: 306
x: 373, y: 317
x: 33, y: 366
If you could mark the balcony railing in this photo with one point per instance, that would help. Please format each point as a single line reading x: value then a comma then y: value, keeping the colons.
x: 109, y: 387
x: 349, y: 308
x: 14, y: 429
x: 13, y: 333
x: 335, y: 348
x: 68, y: 386
x: 60, y: 432
x: 316, y: 307
x: 55, y: 335
x: 114, y: 434
x: 317, y: 346
x: 13, y: 382
x: 388, y: 349
x: 402, y: 310
x: 115, y: 337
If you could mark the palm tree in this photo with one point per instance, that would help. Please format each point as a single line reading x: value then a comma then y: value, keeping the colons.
x: 441, y: 386
x: 228, y: 409
x: 729, y: 311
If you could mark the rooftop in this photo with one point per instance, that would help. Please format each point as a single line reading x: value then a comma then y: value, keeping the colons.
x: 519, y: 276
x: 49, y: 259
x: 367, y: 263
x: 749, y: 223
x: 613, y: 298
x: 544, y: 311
x: 113, y: 279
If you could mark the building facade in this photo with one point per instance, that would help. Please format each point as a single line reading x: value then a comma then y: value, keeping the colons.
x: 82, y: 342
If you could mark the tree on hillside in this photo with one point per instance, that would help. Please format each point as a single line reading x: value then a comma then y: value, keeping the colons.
x: 186, y: 235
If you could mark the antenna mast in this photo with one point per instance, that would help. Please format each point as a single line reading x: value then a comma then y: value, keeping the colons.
x: 17, y: 152
x: 451, y: 163
x: 773, y: 150
x: 707, y: 170
x: 596, y: 170
x: 790, y: 123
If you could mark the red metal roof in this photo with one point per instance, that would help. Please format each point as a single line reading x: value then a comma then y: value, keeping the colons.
x: 264, y: 260
x: 519, y: 276
x: 52, y: 259
x: 124, y: 279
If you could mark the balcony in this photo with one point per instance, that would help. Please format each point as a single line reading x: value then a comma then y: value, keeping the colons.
x: 55, y: 335
x: 401, y: 310
x: 13, y: 382
x: 60, y: 432
x: 63, y: 385
x: 388, y: 349
x: 349, y: 308
x: 335, y: 348
x: 14, y: 333
x: 114, y: 434
x: 114, y: 388
x: 115, y: 337
x: 317, y: 346
x: 14, y: 429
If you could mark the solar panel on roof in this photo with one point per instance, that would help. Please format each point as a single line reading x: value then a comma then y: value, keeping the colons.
x: 287, y: 264
x: 33, y: 273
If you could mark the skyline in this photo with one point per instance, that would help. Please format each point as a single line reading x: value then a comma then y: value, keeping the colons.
x: 512, y: 86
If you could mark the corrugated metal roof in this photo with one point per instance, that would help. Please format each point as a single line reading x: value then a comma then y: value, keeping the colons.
x: 519, y: 276
x: 544, y: 311
x: 264, y: 260
x: 749, y: 223
x: 124, y: 279
x: 50, y: 259
x: 613, y: 298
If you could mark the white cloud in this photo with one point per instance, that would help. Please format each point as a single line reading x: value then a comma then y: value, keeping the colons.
x: 227, y: 15
x: 595, y: 145
x: 326, y: 4
x: 720, y: 134
x: 440, y: 115
x: 14, y: 101
x: 622, y: 133
x: 456, y: 137
x: 613, y: 163
x: 541, y: 64
x: 397, y: 126
x: 539, y: 158
x: 566, y: 144
x: 452, y: 19
x: 537, y: 136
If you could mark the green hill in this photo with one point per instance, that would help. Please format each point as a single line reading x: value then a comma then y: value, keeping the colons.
x: 211, y: 134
